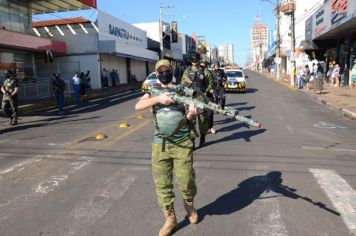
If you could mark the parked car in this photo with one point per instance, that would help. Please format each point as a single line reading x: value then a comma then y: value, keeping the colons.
x: 236, y: 80
x: 152, y: 81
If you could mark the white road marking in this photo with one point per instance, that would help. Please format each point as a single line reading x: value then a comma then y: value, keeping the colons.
x: 280, y: 116
x: 325, y: 125
x: 19, y: 165
x: 289, y: 129
x: 88, y: 212
x: 267, y: 220
x: 340, y: 193
x: 50, y: 184
x: 130, y: 95
x: 82, y: 108
x: 116, y: 95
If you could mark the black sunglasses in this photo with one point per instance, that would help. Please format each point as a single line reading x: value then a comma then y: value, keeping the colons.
x: 164, y: 72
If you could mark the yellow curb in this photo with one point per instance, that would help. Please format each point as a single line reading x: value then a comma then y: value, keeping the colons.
x: 124, y: 125
x: 140, y: 116
x: 100, y: 137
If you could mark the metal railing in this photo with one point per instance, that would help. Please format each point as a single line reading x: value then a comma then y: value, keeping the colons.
x: 40, y: 89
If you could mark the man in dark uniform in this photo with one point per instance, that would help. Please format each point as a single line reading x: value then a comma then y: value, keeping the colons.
x: 10, y: 89
x: 219, y: 80
x: 199, y: 78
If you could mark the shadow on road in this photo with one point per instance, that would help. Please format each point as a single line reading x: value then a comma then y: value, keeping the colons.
x: 43, y: 123
x: 248, y: 191
x: 246, y: 135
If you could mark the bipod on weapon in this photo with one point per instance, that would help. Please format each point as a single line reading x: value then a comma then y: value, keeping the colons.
x: 184, y: 95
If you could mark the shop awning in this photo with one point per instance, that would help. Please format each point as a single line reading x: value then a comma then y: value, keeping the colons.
x: 10, y: 39
x: 42, y: 6
x: 308, y: 45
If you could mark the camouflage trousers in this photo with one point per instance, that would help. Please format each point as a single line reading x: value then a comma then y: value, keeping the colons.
x: 177, y: 158
x: 10, y: 103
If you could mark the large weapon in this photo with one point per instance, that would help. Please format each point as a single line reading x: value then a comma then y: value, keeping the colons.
x: 185, y: 95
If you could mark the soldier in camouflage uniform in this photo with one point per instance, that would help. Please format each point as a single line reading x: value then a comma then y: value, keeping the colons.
x: 200, y: 79
x: 172, y: 148
x: 10, y: 89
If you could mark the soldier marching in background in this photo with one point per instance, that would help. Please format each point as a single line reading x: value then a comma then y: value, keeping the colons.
x: 219, y: 80
x: 10, y: 89
x: 200, y: 79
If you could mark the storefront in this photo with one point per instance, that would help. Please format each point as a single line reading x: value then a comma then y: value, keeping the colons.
x: 333, y: 29
x: 122, y: 45
x: 110, y: 44
x: 20, y: 46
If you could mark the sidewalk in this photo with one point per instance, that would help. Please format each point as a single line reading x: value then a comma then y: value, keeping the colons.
x: 341, y: 99
x: 28, y: 106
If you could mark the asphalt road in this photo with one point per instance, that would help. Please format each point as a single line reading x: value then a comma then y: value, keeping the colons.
x: 294, y: 176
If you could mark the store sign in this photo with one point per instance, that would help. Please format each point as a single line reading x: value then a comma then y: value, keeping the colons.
x: 338, y: 10
x: 122, y: 33
x: 319, y: 17
x: 112, y: 28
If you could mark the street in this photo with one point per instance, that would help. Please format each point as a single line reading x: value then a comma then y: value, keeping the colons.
x: 294, y: 176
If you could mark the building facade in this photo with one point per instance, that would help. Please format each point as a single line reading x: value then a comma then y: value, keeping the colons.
x: 226, y: 54
x: 110, y: 44
x: 331, y: 34
x: 259, y: 44
x: 20, y: 46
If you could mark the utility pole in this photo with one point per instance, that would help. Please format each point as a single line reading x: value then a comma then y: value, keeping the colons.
x: 161, y: 14
x: 278, y: 44
x: 293, y: 48
x: 160, y: 32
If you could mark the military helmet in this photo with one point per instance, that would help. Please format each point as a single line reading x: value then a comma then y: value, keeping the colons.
x: 195, y: 58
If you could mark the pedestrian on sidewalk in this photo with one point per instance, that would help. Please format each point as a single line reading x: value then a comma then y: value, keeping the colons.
x: 353, y: 75
x: 113, y: 78
x: 10, y: 89
x: 300, y: 78
x: 76, y: 87
x: 307, y: 76
x: 172, y: 149
x: 83, y: 84
x: 336, y: 73
x: 58, y: 87
x: 117, y: 77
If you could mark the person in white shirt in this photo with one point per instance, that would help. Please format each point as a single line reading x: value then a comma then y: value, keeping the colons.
x: 76, y: 82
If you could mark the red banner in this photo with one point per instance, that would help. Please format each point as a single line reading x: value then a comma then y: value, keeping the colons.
x: 91, y: 3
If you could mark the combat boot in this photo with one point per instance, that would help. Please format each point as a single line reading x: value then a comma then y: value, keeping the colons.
x: 170, y: 224
x: 10, y: 122
x: 192, y: 213
x: 14, y: 122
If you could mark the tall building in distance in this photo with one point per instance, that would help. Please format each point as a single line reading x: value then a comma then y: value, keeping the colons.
x: 226, y: 53
x: 259, y: 43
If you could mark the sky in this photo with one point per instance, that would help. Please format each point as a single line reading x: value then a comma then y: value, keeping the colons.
x: 221, y: 22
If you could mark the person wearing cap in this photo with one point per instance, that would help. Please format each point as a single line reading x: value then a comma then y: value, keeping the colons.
x: 172, y: 148
x: 58, y: 87
x: 10, y: 89
x: 199, y: 78
x: 353, y: 75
